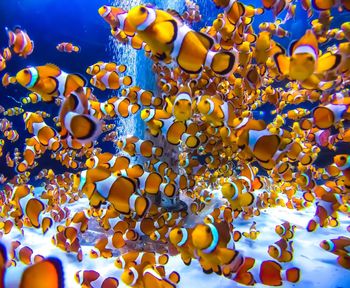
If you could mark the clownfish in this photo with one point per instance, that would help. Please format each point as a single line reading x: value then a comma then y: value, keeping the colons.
x: 46, y: 273
x: 154, y: 277
x: 49, y: 81
x: 46, y: 135
x: 100, y: 185
x: 323, y: 5
x: 281, y: 250
x: 304, y: 59
x: 110, y: 66
x: 75, y: 118
x: 326, y: 116
x: 7, y: 54
x: 31, y: 98
x: 340, y: 247
x: 285, y: 230
x: 91, y: 278
x: 274, y: 28
x: 24, y: 254
x: 117, y: 18
x: 175, y: 132
x: 121, y: 107
x: 112, y: 162
x: 235, y: 192
x: 31, y: 151
x: 342, y: 162
x: 11, y: 135
x: 169, y: 39
x: 2, y: 63
x: 270, y: 274
x: 134, y: 145
x: 253, y: 233
x: 182, y: 106
x: 277, y: 6
x: 136, y: 95
x: 109, y: 80
x: 20, y: 42
x: 7, y: 79
x: 214, y: 245
x: 67, y: 47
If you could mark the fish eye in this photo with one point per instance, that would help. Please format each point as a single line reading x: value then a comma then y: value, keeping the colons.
x: 310, y: 58
x: 143, y: 10
x: 342, y: 158
x: 130, y: 273
x: 207, y: 230
x: 179, y: 232
x: 26, y: 71
x: 177, y: 103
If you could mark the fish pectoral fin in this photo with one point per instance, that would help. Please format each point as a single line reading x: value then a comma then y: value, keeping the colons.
x: 327, y: 62
x: 226, y: 255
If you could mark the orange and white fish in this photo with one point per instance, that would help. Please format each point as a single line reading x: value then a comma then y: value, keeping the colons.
x: 277, y: 6
x: 322, y: 5
x: 110, y: 66
x: 109, y: 80
x: 7, y: 54
x: 49, y: 81
x: 170, y: 39
x: 75, y: 118
x: 20, y: 42
x: 46, y: 273
x: 304, y: 61
x: 2, y: 63
x: 67, y: 47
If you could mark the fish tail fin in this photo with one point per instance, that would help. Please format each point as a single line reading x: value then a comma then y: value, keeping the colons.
x: 121, y: 68
x: 221, y: 63
x: 293, y: 274
x: 259, y: 11
x: 76, y: 49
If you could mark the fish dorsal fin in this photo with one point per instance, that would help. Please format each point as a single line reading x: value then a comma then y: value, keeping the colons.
x: 206, y: 40
x: 175, y: 14
x: 48, y: 70
x: 53, y: 66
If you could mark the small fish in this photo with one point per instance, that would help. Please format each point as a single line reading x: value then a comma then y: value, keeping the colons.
x: 20, y: 42
x: 172, y: 45
x: 68, y: 47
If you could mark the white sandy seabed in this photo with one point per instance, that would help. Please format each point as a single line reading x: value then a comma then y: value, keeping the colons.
x: 319, y: 268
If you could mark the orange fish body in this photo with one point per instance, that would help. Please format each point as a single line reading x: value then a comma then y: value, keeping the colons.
x: 67, y: 47
x: 20, y: 42
x: 49, y: 81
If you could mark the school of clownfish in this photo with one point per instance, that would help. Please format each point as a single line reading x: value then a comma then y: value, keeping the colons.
x: 204, y: 107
